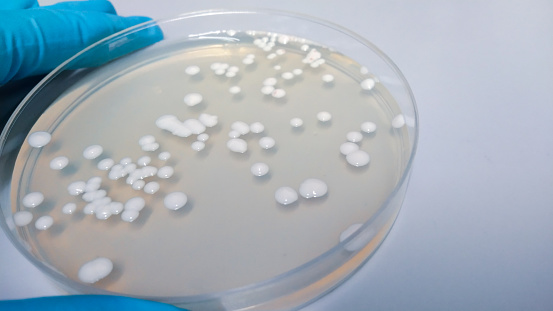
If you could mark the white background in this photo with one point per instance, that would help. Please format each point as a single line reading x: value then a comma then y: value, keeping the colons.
x: 476, y: 228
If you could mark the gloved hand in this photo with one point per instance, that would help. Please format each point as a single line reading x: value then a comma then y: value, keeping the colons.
x: 34, y: 40
x: 85, y: 303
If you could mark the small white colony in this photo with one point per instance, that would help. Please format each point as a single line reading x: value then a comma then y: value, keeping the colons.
x: 368, y: 84
x: 348, y: 147
x: 44, y: 222
x: 151, y: 187
x: 208, y: 120
x: 39, y: 139
x: 33, y: 199
x: 116, y: 207
x: 105, y: 164
x: 148, y: 171
x: 148, y: 142
x: 146, y: 139
x: 76, y: 187
x: 267, y: 89
x: 368, y: 127
x: 313, y: 188
x: 69, y: 208
x: 150, y: 147
x: 103, y: 211
x: 278, y: 93
x: 194, y: 126
x: 233, y: 134
x: 267, y: 142
x: 398, y: 121
x: 93, y: 184
x: 324, y: 116
x: 297, y: 72
x: 165, y: 172
x: 166, y: 155
x: 286, y: 195
x: 296, y: 122
x: 89, y: 209
x: 59, y: 163
x: 259, y: 169
x: 125, y: 161
x: 270, y: 82
x: 354, y: 137
x: 257, y: 127
x: 203, y: 137
x: 219, y: 68
x: 116, y: 172
x: 234, y: 89
x: 135, y: 204
x: 192, y: 70
x: 358, y: 158
x: 129, y: 216
x: 241, y: 127
x: 94, y: 195
x: 192, y: 99
x: 92, y: 152
x: 312, y: 56
x: 95, y: 270
x: 175, y: 200
x: 144, y: 160
x: 138, y: 185
x: 249, y: 59
x: 232, y: 71
x: 22, y: 218
x: 132, y: 208
x: 328, y: 78
x: 198, y: 145
x: 287, y: 75
x: 237, y: 145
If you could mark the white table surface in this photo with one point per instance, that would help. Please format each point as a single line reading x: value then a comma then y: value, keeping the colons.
x: 476, y: 229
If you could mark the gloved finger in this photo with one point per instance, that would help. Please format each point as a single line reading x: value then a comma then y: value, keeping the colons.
x: 84, y: 6
x: 35, y: 41
x: 132, y: 41
x: 85, y: 303
x: 17, y: 4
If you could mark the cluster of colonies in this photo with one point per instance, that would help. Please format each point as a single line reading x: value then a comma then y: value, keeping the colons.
x: 138, y: 174
x: 97, y: 202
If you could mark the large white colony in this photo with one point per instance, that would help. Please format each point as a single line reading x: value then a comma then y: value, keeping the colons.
x: 148, y: 179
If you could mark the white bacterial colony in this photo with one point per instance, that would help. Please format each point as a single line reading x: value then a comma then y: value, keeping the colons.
x: 292, y: 152
x: 32, y: 199
x: 313, y: 188
x: 95, y: 270
x: 175, y: 200
x: 59, y: 163
x: 286, y: 195
x: 44, y: 222
x: 39, y: 139
x: 260, y: 169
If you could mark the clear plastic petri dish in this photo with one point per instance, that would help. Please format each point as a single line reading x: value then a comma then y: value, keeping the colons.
x: 218, y: 160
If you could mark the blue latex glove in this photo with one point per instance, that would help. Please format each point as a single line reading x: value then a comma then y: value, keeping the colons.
x: 85, y: 303
x: 34, y: 40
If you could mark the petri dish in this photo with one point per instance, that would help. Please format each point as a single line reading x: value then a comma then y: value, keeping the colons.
x: 218, y: 160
